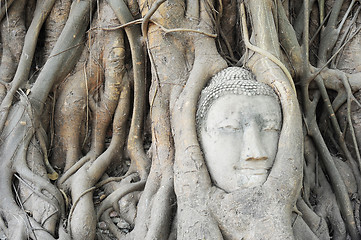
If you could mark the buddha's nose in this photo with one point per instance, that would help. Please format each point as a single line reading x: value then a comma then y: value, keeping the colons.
x: 252, y: 146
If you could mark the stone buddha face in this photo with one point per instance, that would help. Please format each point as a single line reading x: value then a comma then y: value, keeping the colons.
x: 239, y: 121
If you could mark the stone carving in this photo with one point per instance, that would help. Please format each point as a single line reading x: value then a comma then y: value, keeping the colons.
x: 239, y: 121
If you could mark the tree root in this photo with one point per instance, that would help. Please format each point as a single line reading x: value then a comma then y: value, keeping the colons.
x: 82, y: 181
x: 192, y: 180
x: 22, y: 72
x: 183, y: 56
x: 331, y: 113
x: 59, y: 65
x: 329, y: 34
x: 147, y: 17
x: 69, y: 116
x: 16, y: 142
x: 81, y: 177
x: 316, y: 223
x: 166, y: 30
x: 113, y: 66
x: 41, y: 187
x: 111, y: 226
x: 4, y: 9
x: 54, y: 25
x: 111, y: 201
x: 140, y: 161
x: 41, y: 137
x: 11, y: 43
x: 346, y: 33
x: 335, y: 177
x: 329, y: 208
x: 262, y: 51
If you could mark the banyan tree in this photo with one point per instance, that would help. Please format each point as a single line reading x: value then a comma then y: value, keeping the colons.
x: 119, y: 119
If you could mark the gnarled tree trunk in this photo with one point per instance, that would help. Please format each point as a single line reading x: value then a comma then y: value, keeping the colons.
x: 98, y: 134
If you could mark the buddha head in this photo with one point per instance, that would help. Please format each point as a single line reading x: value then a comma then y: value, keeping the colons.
x: 238, y: 122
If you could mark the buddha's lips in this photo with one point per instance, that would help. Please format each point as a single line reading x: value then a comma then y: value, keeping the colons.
x: 253, y: 171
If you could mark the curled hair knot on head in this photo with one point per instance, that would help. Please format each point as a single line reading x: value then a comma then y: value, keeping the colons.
x: 232, y: 80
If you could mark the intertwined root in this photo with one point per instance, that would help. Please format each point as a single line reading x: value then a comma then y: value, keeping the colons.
x: 93, y: 102
x: 32, y: 206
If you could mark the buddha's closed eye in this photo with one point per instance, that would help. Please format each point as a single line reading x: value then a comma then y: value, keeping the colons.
x: 271, y: 124
x: 229, y: 126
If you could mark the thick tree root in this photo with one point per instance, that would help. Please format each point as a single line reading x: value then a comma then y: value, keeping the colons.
x: 140, y: 161
x: 172, y: 196
x: 16, y: 141
x: 12, y: 43
x: 112, y: 200
x: 87, y: 175
x: 42, y: 10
